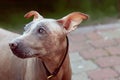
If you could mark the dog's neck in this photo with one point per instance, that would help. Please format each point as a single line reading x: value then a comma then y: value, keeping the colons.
x: 53, y: 61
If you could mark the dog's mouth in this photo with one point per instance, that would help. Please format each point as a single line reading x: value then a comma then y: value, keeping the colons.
x: 23, y: 53
x: 20, y: 53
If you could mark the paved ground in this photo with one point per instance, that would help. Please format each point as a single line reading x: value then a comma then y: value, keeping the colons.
x: 95, y: 52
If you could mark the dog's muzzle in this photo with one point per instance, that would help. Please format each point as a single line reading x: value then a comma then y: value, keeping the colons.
x: 18, y: 49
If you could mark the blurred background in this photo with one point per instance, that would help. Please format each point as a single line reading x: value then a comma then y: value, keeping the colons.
x: 100, y: 11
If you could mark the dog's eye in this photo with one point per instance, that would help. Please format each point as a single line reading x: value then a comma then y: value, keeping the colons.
x: 41, y: 30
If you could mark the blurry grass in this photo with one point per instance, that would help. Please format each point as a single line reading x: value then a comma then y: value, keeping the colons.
x: 16, y: 21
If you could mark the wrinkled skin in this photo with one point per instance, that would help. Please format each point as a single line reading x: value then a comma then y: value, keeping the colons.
x: 14, y: 68
x: 43, y: 40
x: 40, y: 39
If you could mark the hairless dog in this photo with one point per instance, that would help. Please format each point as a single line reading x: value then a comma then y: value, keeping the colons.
x: 45, y: 40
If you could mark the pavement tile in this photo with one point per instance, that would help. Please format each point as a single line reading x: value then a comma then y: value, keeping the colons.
x: 118, y: 40
x: 118, y: 78
x: 102, y: 74
x: 117, y: 68
x: 84, y: 30
x: 103, y: 43
x: 112, y: 79
x: 81, y: 76
x: 107, y: 27
x: 80, y: 65
x: 114, y: 50
x: 111, y: 34
x: 79, y: 47
x: 107, y: 30
x: 83, y: 66
x: 93, y: 54
x: 108, y: 61
x: 93, y: 36
x: 77, y: 38
x: 84, y: 46
x: 75, y: 57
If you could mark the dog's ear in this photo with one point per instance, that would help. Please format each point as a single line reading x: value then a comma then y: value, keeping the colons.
x: 35, y: 14
x: 72, y: 20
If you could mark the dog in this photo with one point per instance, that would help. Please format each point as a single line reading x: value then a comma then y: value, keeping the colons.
x: 46, y: 42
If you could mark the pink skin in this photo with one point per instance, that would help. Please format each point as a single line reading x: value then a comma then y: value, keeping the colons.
x: 45, y: 39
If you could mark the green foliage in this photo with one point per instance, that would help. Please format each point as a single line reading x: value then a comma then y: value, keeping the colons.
x: 96, y: 9
x: 15, y: 22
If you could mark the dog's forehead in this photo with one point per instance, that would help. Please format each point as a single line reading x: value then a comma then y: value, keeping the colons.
x: 50, y: 24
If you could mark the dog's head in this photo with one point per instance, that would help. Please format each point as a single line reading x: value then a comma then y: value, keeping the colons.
x: 43, y: 37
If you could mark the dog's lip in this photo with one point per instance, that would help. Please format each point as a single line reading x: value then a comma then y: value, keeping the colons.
x: 19, y: 53
x: 23, y: 55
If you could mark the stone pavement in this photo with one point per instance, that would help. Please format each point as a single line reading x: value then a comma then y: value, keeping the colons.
x: 95, y: 52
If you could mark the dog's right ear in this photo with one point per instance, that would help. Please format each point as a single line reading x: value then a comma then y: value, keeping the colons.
x: 72, y: 20
x: 36, y: 15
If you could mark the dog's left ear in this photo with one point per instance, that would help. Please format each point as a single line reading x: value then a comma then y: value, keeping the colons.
x: 72, y: 20
x: 35, y: 14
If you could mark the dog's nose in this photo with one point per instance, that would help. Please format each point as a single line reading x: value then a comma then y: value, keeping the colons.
x: 13, y: 45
